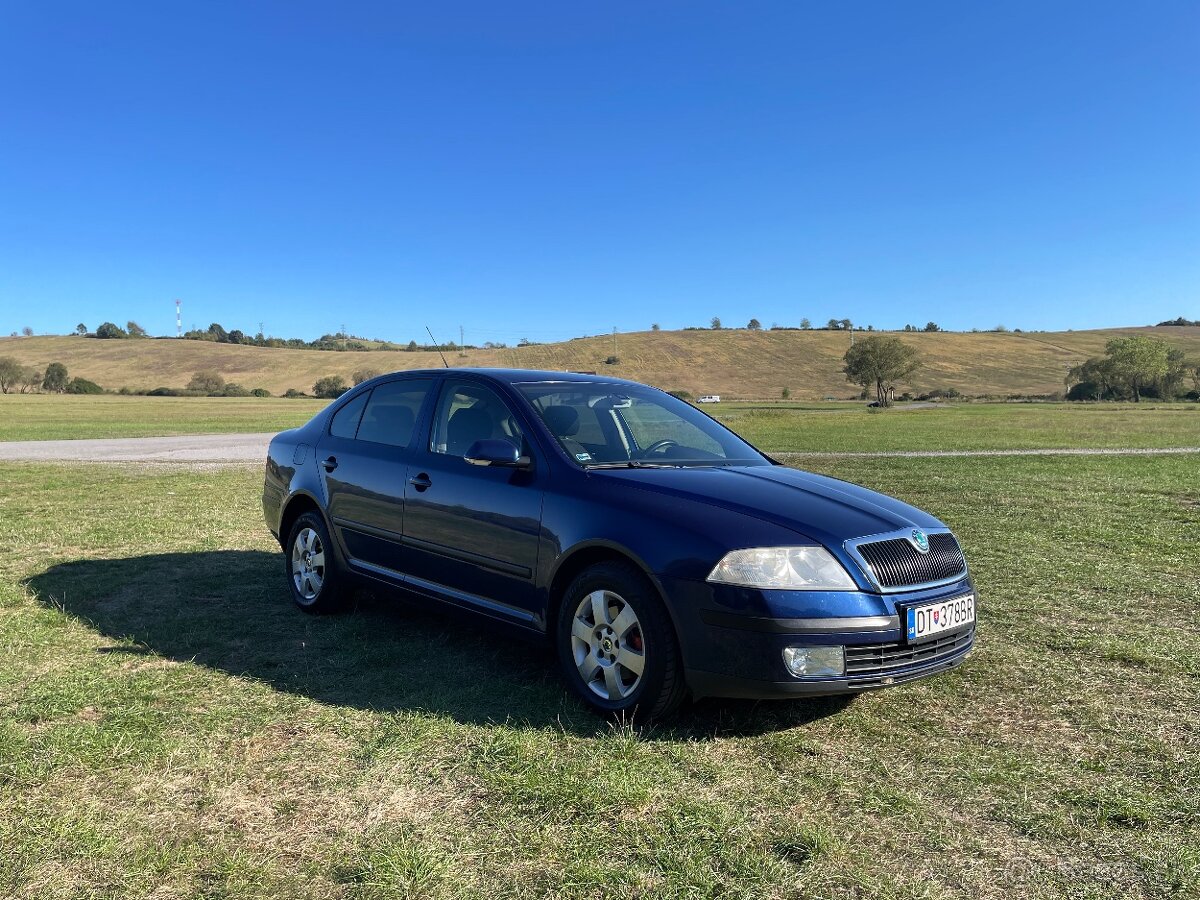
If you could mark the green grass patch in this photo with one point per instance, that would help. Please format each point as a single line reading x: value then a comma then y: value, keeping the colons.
x: 44, y: 417
x: 170, y: 726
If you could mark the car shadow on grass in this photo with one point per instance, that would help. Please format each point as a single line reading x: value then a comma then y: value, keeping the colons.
x: 229, y: 610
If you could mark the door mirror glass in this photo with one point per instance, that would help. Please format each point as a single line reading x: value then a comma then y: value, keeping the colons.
x: 495, y: 452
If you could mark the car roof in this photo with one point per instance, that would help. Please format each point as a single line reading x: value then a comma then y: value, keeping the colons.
x: 523, y: 376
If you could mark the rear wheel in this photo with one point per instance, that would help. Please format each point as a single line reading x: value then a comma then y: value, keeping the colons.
x: 616, y: 645
x: 317, y: 584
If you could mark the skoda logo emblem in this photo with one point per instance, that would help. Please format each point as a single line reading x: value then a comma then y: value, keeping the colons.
x: 920, y: 540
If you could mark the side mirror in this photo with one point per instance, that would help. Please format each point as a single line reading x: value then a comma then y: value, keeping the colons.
x: 496, y: 452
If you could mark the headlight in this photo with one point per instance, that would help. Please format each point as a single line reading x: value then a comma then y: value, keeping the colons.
x: 784, y: 569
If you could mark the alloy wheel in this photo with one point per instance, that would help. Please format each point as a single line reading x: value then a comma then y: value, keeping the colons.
x: 308, y: 564
x: 607, y: 645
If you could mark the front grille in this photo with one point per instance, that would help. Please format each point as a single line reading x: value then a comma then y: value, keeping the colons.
x: 879, y: 659
x: 897, y: 563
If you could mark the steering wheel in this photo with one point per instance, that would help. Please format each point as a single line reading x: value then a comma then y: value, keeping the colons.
x: 659, y: 446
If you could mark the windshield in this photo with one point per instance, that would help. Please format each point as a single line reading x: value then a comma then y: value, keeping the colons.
x: 623, y: 425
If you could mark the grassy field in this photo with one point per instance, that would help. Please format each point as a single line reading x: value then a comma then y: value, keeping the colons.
x: 781, y: 427
x: 44, y: 417
x: 734, y: 363
x: 170, y: 727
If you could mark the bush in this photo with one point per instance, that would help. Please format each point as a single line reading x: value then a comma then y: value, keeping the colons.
x: 292, y: 393
x: 109, y: 331
x: 612, y: 360
x: 163, y: 392
x: 330, y: 387
x: 786, y: 393
x: 681, y: 395
x: 365, y: 375
x: 83, y: 386
x: 207, y: 381
x: 260, y: 392
x: 234, y: 390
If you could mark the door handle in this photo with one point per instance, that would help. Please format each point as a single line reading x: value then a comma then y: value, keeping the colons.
x: 421, y: 482
x: 329, y: 464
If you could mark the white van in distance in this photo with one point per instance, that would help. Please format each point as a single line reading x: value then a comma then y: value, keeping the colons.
x: 710, y: 398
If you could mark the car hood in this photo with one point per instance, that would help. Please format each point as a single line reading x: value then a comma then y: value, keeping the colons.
x: 822, y: 509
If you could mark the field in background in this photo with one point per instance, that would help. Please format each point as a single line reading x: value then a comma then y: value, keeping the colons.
x: 44, y: 417
x: 780, y: 427
x: 170, y: 726
x: 734, y: 363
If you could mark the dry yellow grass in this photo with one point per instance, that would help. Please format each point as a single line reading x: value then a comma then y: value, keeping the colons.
x: 733, y: 363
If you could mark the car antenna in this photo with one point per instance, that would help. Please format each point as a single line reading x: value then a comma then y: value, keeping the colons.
x: 437, y: 347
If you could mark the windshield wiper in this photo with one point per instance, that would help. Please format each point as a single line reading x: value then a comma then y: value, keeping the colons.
x: 631, y: 464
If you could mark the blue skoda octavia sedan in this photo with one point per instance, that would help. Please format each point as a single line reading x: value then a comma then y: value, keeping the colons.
x: 659, y: 553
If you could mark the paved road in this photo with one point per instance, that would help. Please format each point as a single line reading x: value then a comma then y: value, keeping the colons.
x: 191, y: 449
x: 222, y: 449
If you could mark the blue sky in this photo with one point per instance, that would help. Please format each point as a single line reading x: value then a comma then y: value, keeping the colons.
x: 546, y: 170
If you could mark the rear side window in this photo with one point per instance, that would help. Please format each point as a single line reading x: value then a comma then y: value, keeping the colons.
x: 345, y: 420
x: 391, y: 414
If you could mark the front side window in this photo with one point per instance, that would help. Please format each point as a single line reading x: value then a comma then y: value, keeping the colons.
x: 391, y: 414
x: 468, y: 412
x: 609, y: 424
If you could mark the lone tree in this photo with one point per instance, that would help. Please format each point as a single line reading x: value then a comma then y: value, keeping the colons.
x: 716, y: 323
x: 880, y: 361
x: 754, y: 325
x: 134, y: 329
x: 1138, y: 361
x: 81, y: 329
x: 27, y: 331
x: 55, y: 379
x: 365, y: 375
x: 31, y: 379
x: 805, y: 324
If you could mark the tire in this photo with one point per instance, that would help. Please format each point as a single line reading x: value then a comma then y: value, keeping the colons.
x: 611, y: 622
x: 318, y: 585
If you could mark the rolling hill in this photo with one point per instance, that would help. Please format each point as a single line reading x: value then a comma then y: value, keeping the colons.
x: 733, y: 363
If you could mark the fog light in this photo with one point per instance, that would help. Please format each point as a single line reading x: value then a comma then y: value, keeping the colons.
x: 809, y: 661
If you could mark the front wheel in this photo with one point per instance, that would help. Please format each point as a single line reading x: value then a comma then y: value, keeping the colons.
x: 616, y: 645
x: 318, y: 586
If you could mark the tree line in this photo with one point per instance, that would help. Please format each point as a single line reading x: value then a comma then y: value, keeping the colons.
x: 16, y: 378
x: 1132, y: 368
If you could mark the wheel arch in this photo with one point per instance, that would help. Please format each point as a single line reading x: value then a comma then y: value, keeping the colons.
x: 293, y: 508
x: 584, y: 556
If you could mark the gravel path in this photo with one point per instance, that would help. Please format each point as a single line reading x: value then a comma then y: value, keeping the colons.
x: 200, y: 450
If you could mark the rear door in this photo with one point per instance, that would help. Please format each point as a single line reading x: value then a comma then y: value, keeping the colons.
x: 471, y: 532
x: 363, y: 461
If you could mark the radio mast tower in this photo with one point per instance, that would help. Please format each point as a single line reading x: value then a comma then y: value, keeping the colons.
x: 178, y: 319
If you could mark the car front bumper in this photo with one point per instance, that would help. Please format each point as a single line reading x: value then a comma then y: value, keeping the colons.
x: 730, y: 653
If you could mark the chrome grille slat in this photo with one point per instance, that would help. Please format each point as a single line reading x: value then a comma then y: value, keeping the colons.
x: 895, y: 562
x: 882, y: 658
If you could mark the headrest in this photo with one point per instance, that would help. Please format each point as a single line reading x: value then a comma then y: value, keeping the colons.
x: 466, y: 426
x: 563, y: 421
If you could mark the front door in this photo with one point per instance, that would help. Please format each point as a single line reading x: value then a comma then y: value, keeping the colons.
x: 471, y: 532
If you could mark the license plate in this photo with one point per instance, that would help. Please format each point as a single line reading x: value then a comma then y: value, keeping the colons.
x: 944, y: 615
